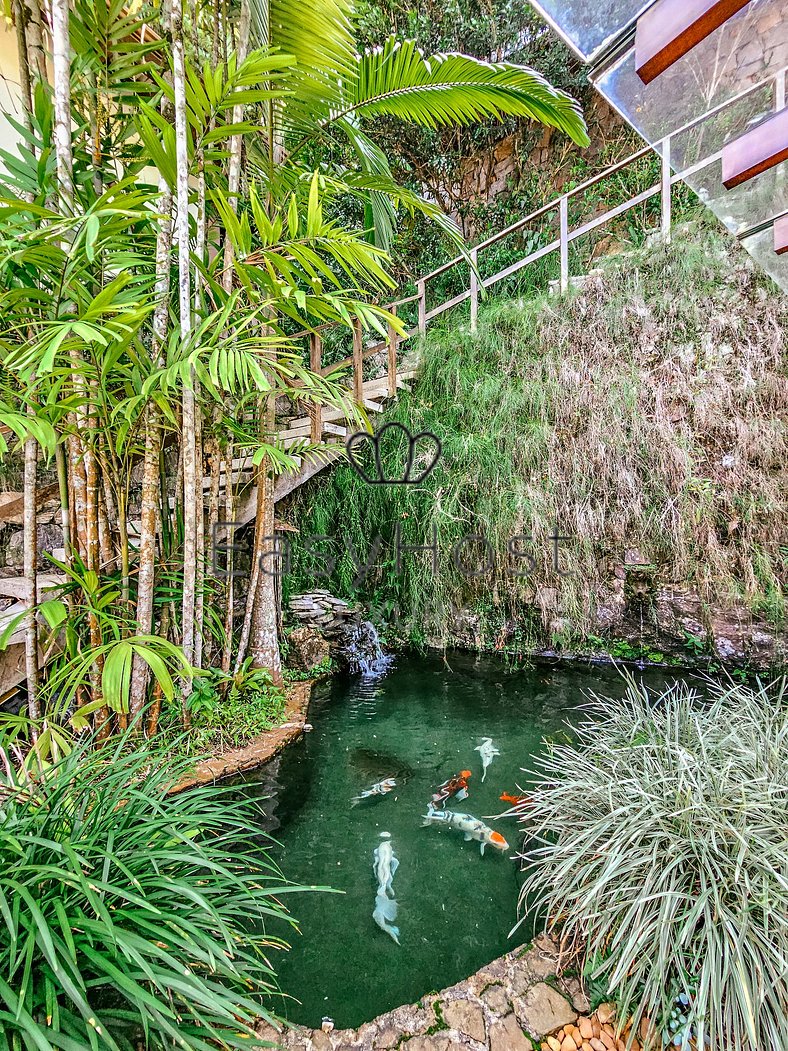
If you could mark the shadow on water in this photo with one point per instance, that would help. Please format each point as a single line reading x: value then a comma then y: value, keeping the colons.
x: 420, y: 723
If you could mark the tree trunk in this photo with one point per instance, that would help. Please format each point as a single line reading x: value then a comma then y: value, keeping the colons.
x: 61, y: 63
x: 188, y: 402
x: 215, y: 35
x: 199, y: 548
x: 229, y: 591
x: 215, y: 460
x: 23, y: 58
x: 146, y: 565
x: 151, y: 473
x: 236, y: 145
x: 264, y: 639
x: 35, y: 40
x: 30, y: 537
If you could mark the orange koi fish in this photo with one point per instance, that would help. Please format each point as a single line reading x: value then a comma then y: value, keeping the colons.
x: 505, y: 797
x: 455, y: 786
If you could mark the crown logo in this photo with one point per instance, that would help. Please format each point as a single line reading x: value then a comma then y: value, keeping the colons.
x: 420, y: 457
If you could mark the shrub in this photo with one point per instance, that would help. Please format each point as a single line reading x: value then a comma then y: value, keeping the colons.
x: 130, y: 917
x: 660, y: 844
x: 227, y: 710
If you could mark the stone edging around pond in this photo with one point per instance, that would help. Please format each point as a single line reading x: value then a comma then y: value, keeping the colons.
x: 509, y: 1005
x: 260, y: 749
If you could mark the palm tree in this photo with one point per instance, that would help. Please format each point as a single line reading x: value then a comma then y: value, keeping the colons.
x: 133, y: 367
x: 334, y: 91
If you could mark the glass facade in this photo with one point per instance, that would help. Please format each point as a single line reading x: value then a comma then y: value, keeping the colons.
x: 750, y: 48
x: 589, y: 27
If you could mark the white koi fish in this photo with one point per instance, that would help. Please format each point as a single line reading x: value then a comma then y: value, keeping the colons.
x: 384, y: 866
x: 487, y: 751
x: 471, y: 827
x: 380, y: 789
x: 384, y: 914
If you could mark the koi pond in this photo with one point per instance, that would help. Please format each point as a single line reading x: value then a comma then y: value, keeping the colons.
x: 420, y: 723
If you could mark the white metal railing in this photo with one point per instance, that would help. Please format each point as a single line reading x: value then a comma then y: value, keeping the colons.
x: 566, y: 235
x: 477, y: 284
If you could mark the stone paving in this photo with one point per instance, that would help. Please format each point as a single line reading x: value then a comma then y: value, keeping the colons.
x: 509, y: 1005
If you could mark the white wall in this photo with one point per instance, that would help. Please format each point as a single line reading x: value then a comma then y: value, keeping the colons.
x: 9, y: 85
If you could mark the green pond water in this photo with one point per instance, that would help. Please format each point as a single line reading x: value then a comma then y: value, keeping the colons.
x: 419, y: 723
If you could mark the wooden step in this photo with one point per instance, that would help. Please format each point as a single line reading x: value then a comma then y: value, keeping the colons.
x: 330, y: 415
x: 371, y: 387
x: 297, y: 429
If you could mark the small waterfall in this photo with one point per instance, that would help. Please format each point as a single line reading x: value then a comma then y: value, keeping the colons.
x: 360, y: 645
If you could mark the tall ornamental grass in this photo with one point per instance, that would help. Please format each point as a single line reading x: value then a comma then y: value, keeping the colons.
x: 659, y: 840
x: 129, y: 917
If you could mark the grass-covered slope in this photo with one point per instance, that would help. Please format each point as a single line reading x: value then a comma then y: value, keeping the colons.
x: 645, y: 414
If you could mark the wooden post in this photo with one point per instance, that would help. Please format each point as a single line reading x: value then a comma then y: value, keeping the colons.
x: 393, y: 342
x: 665, y: 191
x: 315, y: 358
x: 358, y: 362
x: 474, y: 290
x: 563, y: 219
x: 421, y: 288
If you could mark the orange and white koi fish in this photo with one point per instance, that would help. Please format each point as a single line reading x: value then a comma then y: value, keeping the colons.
x: 470, y: 826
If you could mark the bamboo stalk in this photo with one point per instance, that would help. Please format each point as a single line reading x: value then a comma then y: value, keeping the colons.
x: 188, y: 401
x: 30, y: 538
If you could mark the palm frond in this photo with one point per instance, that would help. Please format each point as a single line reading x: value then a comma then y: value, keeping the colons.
x: 320, y: 38
x: 398, y: 80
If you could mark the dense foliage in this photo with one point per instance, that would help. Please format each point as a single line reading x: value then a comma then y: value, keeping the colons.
x: 657, y: 842
x: 454, y: 164
x: 179, y: 206
x: 130, y: 916
x: 608, y: 412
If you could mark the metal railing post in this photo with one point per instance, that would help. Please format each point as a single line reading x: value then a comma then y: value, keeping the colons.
x: 358, y: 362
x: 563, y: 220
x: 474, y: 288
x: 779, y: 91
x: 393, y: 342
x: 315, y: 357
x: 421, y: 288
x: 665, y: 191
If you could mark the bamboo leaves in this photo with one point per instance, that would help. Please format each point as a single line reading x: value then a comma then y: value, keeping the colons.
x: 131, y: 904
